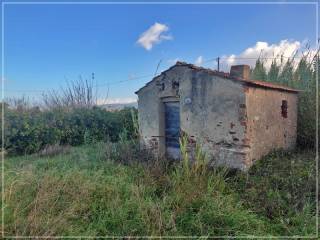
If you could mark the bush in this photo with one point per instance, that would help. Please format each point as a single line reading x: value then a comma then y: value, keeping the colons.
x: 31, y: 130
x: 282, y: 188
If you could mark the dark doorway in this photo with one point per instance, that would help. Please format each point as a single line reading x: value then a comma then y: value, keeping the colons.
x: 172, y: 129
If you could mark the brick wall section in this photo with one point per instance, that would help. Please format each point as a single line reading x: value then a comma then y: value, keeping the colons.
x: 267, y: 129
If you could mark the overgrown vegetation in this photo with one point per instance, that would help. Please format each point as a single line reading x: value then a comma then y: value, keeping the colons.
x: 69, y: 117
x: 282, y: 187
x: 32, y: 130
x: 108, y: 186
x: 88, y: 192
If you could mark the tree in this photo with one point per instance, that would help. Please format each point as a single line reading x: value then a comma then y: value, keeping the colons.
x: 287, y: 73
x: 273, y: 73
x: 259, y: 72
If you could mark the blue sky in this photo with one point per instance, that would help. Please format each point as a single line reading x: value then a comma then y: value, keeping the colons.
x: 47, y: 44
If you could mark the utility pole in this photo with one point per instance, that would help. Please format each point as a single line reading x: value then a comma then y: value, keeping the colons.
x: 157, y: 67
x: 218, y: 61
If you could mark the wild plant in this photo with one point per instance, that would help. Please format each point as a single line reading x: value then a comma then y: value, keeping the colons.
x: 88, y: 138
x: 79, y: 93
x: 135, y: 123
x: 198, y: 165
x: 184, y: 154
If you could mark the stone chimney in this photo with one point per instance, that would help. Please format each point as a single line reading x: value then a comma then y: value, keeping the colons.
x: 240, y: 71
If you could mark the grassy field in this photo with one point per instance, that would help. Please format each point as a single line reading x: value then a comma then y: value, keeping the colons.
x: 89, y: 191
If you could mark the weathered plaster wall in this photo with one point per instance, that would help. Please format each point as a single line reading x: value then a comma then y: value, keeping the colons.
x: 149, y: 117
x: 162, y: 89
x: 211, y: 114
x: 266, y: 128
x: 235, y: 124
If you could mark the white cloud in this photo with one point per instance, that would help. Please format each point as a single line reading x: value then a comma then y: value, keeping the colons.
x: 264, y: 50
x: 153, y: 36
x: 116, y: 100
x: 199, y: 61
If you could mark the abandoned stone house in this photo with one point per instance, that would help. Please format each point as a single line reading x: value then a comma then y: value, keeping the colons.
x: 235, y: 120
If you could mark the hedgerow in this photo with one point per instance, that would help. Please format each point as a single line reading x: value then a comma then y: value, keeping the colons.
x: 31, y: 130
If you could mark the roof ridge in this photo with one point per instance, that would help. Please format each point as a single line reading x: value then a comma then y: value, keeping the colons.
x: 227, y: 75
x: 257, y: 83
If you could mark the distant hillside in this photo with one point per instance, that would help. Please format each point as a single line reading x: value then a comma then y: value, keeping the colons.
x: 118, y: 106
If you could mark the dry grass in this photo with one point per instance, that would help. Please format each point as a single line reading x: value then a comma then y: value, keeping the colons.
x: 53, y: 150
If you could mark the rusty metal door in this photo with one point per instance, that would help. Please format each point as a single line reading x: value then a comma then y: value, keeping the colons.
x: 172, y: 129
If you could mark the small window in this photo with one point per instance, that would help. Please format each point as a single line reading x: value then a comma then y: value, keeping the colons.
x: 160, y: 85
x: 284, y: 109
x: 175, y: 85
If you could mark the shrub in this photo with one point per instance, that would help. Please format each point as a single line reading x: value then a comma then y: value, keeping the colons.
x: 31, y: 130
x: 281, y: 187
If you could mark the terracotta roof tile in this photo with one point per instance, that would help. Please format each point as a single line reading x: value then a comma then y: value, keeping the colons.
x: 257, y: 83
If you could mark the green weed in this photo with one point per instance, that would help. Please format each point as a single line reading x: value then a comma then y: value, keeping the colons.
x: 85, y: 193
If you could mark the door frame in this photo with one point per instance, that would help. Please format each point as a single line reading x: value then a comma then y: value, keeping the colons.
x: 162, y: 142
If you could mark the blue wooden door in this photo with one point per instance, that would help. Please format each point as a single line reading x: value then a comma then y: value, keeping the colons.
x: 172, y: 129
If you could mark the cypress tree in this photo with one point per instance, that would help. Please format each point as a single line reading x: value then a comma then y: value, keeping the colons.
x: 259, y: 72
x: 287, y: 73
x: 273, y: 73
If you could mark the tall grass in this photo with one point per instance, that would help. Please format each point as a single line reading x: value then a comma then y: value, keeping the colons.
x: 281, y: 187
x: 89, y: 191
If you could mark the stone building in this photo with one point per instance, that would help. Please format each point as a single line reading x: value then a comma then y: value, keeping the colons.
x: 235, y: 120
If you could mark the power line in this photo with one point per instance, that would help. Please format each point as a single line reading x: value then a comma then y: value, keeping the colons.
x: 217, y: 59
x: 126, y: 80
x: 157, y: 67
x: 254, y: 58
x: 97, y: 85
